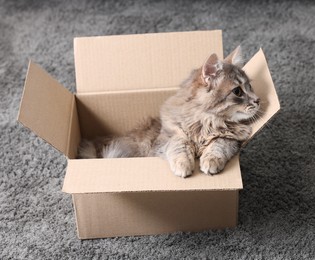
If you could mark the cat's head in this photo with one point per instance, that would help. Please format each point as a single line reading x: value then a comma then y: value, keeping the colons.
x: 225, y: 89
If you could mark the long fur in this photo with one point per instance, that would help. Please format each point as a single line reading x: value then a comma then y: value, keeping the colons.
x: 207, y: 118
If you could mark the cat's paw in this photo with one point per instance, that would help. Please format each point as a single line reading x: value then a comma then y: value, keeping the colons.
x: 211, y: 165
x: 182, y: 167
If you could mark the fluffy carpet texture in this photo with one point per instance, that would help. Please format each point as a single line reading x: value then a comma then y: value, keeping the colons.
x: 277, y: 204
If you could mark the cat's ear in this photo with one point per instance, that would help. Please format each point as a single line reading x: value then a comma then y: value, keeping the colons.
x: 235, y: 57
x: 210, y: 67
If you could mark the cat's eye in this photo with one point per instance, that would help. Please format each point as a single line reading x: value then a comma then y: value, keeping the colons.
x: 238, y: 91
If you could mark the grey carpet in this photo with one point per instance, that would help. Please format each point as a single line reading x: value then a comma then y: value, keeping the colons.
x: 277, y: 205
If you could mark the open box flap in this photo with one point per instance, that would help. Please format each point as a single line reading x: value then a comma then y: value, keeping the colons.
x: 142, y: 61
x: 47, y: 109
x: 143, y: 174
x: 258, y: 71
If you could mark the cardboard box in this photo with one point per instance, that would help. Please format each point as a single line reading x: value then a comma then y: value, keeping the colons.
x: 120, y: 80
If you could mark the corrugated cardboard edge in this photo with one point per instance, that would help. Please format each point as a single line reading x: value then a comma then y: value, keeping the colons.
x: 74, y: 134
x: 77, y: 220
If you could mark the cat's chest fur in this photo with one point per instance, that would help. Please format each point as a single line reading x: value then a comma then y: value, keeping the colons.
x: 202, y: 132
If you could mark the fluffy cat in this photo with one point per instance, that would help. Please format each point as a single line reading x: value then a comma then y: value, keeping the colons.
x: 208, y: 118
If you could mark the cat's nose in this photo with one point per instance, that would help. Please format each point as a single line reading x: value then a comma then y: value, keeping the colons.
x: 257, y: 101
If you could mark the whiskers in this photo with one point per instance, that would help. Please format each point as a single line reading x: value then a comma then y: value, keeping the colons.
x: 258, y: 117
x: 260, y: 112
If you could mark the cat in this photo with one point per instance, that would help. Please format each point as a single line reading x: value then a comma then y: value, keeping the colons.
x: 208, y: 118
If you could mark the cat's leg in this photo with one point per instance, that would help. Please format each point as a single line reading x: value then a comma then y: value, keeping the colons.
x: 180, y: 154
x: 217, y: 154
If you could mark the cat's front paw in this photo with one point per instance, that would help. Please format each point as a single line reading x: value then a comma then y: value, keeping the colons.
x: 211, y: 164
x: 182, y: 167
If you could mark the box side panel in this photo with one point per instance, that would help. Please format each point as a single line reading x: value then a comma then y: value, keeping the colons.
x: 143, y: 174
x: 115, y: 113
x: 142, y: 61
x: 145, y: 213
x: 258, y: 71
x: 46, y: 108
x: 74, y: 132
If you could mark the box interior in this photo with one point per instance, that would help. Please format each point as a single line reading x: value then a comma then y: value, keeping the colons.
x: 141, y: 61
x: 114, y: 113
